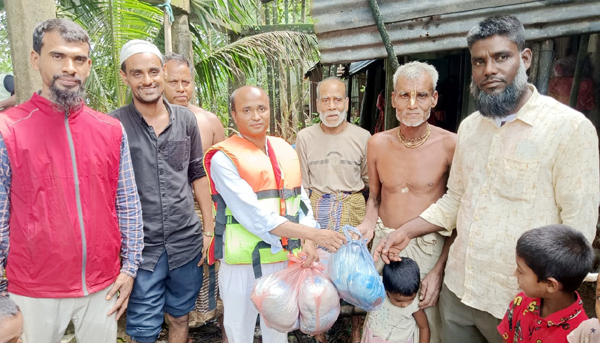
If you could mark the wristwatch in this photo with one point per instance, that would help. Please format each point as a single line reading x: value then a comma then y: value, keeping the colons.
x: 209, y: 234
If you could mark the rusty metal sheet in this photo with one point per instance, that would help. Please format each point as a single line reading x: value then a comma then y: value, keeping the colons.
x: 346, y: 31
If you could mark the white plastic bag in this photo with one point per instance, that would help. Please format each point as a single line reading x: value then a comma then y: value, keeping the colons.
x: 318, y: 300
x: 276, y: 298
x: 297, y: 297
x: 352, y: 271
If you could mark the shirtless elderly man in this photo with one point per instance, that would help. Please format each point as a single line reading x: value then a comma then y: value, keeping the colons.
x: 408, y: 170
x: 179, y: 87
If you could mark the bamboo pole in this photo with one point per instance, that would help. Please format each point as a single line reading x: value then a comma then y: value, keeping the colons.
x: 300, y: 95
x: 168, y: 40
x: 277, y: 90
x: 546, y: 57
x: 390, y: 120
x: 273, y: 124
x: 535, y: 63
x: 385, y: 37
x: 581, y: 54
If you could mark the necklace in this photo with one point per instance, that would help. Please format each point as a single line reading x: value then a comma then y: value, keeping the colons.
x: 413, y: 143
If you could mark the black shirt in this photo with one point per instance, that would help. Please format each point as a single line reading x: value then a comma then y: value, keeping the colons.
x: 164, y: 167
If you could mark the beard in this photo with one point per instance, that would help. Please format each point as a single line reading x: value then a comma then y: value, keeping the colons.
x: 501, y: 104
x: 424, y: 119
x: 69, y: 98
x: 341, y: 117
x: 142, y: 100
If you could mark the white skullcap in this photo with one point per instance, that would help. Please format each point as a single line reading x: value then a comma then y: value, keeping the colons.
x: 137, y: 46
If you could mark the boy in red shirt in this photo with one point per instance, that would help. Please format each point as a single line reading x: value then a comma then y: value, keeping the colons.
x: 552, y: 261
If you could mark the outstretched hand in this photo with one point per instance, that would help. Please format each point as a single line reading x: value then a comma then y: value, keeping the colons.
x: 366, y: 232
x: 390, y: 246
x: 331, y: 240
x: 308, y: 248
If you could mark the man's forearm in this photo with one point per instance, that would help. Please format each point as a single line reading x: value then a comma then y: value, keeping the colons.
x: 418, y: 227
x: 441, y: 263
x: 371, y: 211
x: 293, y: 230
x: 202, y: 195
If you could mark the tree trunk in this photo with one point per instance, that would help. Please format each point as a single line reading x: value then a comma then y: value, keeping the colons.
x: 22, y: 17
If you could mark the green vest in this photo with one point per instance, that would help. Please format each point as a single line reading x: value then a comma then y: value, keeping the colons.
x: 255, y: 167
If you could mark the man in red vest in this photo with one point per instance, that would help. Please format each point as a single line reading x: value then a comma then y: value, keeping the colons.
x: 256, y: 186
x: 69, y: 205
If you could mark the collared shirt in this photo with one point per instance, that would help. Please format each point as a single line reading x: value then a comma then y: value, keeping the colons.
x: 165, y: 166
x: 127, y: 210
x: 539, y: 169
x: 523, y: 323
x: 244, y: 204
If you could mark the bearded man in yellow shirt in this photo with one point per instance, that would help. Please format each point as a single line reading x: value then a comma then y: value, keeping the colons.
x: 523, y: 160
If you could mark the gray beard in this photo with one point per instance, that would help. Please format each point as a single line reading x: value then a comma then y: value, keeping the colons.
x: 66, y: 99
x: 503, y: 104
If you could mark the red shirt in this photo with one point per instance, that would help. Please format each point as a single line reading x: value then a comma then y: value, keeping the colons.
x: 522, y: 321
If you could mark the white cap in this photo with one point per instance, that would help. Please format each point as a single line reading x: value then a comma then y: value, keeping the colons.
x: 137, y: 46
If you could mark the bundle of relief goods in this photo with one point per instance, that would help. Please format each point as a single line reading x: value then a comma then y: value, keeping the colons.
x: 353, y: 273
x: 319, y: 302
x: 297, y: 297
x: 276, y: 298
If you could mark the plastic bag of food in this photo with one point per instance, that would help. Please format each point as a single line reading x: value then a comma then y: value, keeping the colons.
x: 297, y: 298
x: 318, y: 301
x: 352, y: 271
x: 276, y: 298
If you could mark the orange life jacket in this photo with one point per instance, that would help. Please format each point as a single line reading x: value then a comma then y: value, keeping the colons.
x: 276, y: 181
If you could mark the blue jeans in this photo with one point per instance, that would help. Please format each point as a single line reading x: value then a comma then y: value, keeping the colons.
x: 170, y: 291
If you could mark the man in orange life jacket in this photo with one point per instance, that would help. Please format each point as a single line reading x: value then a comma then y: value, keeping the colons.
x: 255, y: 182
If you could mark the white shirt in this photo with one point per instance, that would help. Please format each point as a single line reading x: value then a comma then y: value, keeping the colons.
x: 244, y: 205
x: 542, y: 168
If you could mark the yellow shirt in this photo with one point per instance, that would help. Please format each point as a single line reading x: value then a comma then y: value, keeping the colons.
x: 542, y: 168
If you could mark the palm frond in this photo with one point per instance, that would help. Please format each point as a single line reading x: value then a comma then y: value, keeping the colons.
x: 250, y: 55
x: 110, y: 24
x: 222, y: 14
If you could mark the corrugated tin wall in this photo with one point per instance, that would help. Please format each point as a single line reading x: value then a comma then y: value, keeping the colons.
x: 346, y: 29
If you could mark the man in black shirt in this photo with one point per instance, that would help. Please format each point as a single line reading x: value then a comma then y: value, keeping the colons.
x: 166, y: 153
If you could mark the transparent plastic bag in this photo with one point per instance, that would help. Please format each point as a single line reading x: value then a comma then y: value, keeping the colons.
x: 297, y: 298
x: 318, y: 299
x: 276, y: 298
x: 352, y: 271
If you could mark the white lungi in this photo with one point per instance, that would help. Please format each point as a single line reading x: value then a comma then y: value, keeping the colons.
x: 426, y: 251
x: 236, y: 282
x: 46, y: 319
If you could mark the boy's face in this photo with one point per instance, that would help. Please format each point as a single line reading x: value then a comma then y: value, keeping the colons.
x: 11, y: 329
x: 528, y: 281
x: 400, y: 300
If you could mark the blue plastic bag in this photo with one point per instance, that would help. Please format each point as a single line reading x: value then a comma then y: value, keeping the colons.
x: 353, y: 273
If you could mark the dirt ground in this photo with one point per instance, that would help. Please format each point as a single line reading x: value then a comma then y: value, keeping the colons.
x: 211, y: 333
x: 339, y: 333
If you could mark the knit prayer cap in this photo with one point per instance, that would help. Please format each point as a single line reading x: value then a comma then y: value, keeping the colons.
x: 137, y: 46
